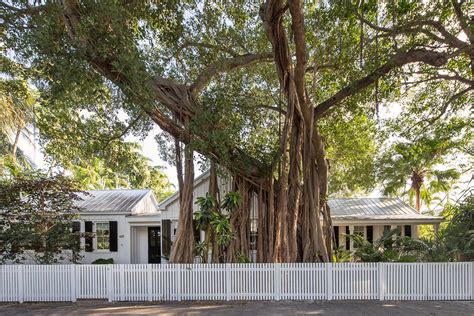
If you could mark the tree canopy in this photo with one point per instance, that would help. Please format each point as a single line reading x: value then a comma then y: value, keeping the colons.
x: 270, y: 91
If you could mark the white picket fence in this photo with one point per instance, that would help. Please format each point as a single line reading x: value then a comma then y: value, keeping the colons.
x: 256, y: 281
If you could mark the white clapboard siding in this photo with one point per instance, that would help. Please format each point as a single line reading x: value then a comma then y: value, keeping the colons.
x: 254, y: 281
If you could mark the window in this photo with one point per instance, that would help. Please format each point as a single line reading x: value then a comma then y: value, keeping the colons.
x: 359, y: 230
x: 407, y: 231
x: 102, y: 234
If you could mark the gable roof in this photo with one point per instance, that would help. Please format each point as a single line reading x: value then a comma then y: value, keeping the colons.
x: 112, y: 201
x: 375, y: 209
x: 173, y: 197
x: 382, y: 209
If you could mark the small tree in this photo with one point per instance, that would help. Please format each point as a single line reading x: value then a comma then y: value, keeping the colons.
x: 216, y: 223
x: 415, y: 163
x: 37, y: 214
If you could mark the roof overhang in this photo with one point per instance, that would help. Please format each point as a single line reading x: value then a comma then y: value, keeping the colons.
x: 96, y: 213
x: 144, y: 220
x: 428, y: 220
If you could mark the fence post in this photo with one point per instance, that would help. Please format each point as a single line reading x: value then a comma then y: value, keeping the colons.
x: 227, y: 280
x: 178, y: 281
x: 329, y: 277
x: 472, y: 280
x: 122, y: 281
x: 149, y: 282
x: 424, y: 267
x: 109, y: 282
x: 73, y: 275
x: 277, y: 281
x: 381, y: 269
x: 21, y: 280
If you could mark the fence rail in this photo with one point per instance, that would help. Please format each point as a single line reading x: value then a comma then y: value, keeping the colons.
x: 256, y: 281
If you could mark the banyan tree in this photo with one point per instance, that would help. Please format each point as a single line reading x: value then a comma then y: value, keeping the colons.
x: 248, y: 85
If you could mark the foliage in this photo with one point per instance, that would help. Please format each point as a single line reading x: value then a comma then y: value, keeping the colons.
x: 36, y: 221
x: 242, y: 258
x: 184, y: 65
x: 214, y: 219
x: 103, y: 261
x: 458, y: 233
x: 390, y: 247
x: 342, y: 255
x: 420, y: 162
x: 200, y: 248
x: 351, y: 150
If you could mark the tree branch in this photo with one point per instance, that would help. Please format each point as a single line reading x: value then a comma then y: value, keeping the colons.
x: 463, y: 21
x: 418, y: 27
x: 435, y: 59
x: 225, y: 65
x: 187, y: 44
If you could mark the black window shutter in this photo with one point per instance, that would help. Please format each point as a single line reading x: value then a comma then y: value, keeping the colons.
x: 76, y: 229
x: 88, y: 238
x: 408, y: 230
x: 348, y: 241
x: 370, y: 234
x: 113, y: 236
x: 166, y: 236
x: 336, y: 235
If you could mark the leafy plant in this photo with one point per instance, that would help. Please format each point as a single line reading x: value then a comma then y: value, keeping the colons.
x: 242, y: 258
x: 389, y: 247
x: 37, y: 216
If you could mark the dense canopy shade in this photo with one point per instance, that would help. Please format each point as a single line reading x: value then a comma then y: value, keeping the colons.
x: 262, y: 89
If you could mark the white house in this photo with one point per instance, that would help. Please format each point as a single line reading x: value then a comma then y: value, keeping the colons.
x: 129, y: 226
x: 126, y: 226
x: 367, y: 216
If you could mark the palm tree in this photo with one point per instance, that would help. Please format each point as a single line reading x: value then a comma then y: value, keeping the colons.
x: 416, y: 165
x: 17, y: 101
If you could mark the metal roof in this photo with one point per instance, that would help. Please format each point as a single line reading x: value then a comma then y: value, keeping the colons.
x: 374, y: 209
x: 111, y: 200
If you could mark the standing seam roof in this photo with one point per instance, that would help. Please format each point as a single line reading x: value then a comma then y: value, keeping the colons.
x: 111, y: 200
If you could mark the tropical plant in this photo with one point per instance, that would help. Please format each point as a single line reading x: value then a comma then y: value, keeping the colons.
x: 36, y: 219
x: 458, y: 233
x: 390, y: 247
x: 418, y: 163
x: 214, y: 218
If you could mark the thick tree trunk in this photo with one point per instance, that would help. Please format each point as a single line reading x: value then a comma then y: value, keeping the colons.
x: 299, y: 192
x: 184, y: 248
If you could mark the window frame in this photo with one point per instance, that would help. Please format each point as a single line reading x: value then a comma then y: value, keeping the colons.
x: 96, y: 237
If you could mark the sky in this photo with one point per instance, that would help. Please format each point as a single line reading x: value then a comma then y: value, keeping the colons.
x: 149, y: 149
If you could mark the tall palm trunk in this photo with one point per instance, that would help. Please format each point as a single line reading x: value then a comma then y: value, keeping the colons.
x: 417, y: 179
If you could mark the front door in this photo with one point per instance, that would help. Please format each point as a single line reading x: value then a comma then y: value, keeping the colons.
x: 154, y: 244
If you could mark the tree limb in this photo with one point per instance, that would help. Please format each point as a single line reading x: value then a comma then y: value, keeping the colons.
x: 463, y: 21
x: 435, y: 59
x: 418, y: 26
x: 225, y: 65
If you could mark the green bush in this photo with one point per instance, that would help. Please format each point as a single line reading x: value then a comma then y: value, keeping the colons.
x: 103, y: 261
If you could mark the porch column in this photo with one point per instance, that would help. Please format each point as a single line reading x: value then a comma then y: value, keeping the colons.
x: 436, y: 228
x: 351, y: 231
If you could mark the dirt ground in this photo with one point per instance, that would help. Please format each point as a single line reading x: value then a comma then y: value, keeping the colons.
x: 346, y: 308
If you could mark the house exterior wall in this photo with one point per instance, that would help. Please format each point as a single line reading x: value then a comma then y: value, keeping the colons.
x: 122, y: 255
x: 139, y: 244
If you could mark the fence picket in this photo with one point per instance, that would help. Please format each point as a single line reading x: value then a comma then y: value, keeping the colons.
x: 260, y: 281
